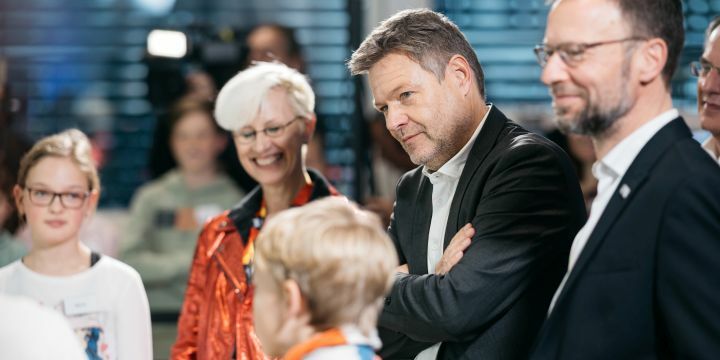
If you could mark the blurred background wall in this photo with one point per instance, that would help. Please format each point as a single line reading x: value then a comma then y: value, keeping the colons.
x: 84, y: 63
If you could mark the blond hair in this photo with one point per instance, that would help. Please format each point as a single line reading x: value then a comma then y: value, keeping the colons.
x: 239, y: 100
x: 340, y: 256
x: 71, y: 144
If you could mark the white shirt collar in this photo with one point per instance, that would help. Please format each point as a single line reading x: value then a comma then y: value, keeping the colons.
x: 609, y: 170
x: 355, y: 336
x: 712, y: 146
x: 620, y: 157
x: 454, y: 167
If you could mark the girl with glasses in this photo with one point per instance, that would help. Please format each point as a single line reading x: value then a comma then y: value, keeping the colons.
x: 103, y: 299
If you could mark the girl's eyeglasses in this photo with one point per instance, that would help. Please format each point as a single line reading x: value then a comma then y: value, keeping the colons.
x: 69, y: 200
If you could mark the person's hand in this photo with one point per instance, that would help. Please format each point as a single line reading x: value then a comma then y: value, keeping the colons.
x: 454, y: 252
x: 403, y: 269
x: 185, y: 219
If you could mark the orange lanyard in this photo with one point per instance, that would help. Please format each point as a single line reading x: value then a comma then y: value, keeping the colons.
x: 302, y: 198
x: 249, y: 251
x: 328, y: 338
x: 332, y: 337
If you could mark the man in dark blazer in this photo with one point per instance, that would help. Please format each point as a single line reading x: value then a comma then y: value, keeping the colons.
x: 642, y: 279
x: 483, y: 293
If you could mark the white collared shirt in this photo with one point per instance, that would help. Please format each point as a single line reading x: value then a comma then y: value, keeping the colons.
x: 444, y: 181
x: 712, y: 146
x: 609, y: 171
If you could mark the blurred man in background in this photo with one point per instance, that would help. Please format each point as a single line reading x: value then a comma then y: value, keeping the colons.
x: 708, y: 72
x: 273, y: 42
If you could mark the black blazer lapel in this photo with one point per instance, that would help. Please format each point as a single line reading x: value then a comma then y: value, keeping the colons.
x: 484, y: 143
x: 243, y: 213
x: 422, y: 213
x: 633, y: 180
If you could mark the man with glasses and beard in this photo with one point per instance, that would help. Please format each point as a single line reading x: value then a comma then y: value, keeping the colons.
x: 642, y: 275
x: 709, y: 88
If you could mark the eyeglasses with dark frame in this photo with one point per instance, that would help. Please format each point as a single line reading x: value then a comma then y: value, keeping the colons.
x: 247, y: 136
x: 572, y: 53
x: 68, y: 200
x: 702, y: 68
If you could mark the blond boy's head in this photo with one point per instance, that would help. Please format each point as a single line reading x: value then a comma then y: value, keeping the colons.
x: 322, y: 265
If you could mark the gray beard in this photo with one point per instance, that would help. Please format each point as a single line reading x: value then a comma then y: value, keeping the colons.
x: 594, y: 122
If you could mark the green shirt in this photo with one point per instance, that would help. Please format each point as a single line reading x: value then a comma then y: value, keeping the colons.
x: 156, y: 247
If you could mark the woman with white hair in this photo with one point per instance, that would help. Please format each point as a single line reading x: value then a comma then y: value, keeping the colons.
x: 269, y: 109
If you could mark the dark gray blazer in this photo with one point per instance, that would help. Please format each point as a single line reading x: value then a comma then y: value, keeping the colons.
x: 647, y: 283
x: 522, y: 196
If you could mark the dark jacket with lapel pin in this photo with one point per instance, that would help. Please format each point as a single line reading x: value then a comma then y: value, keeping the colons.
x: 646, y: 284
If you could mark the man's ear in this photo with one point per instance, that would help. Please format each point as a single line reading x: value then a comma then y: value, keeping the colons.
x: 651, y: 62
x: 459, y: 71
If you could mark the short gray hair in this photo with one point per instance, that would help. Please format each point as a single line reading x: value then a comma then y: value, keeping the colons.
x: 427, y: 37
x: 239, y: 100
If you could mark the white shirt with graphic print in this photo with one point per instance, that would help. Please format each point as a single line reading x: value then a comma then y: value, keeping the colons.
x: 106, y: 305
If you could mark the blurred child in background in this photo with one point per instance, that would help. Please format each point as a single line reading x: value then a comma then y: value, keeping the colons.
x: 11, y: 248
x: 166, y: 214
